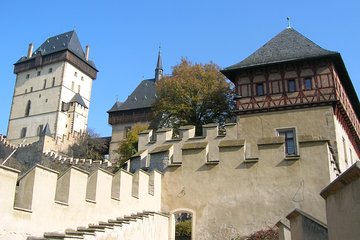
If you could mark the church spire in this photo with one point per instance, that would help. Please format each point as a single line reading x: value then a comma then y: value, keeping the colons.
x: 158, y: 69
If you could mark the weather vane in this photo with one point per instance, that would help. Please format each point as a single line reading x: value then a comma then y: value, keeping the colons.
x: 288, y: 20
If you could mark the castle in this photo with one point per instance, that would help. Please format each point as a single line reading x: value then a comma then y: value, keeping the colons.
x: 297, y: 131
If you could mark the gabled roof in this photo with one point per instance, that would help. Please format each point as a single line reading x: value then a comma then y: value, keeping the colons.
x: 288, y: 45
x: 142, y: 97
x: 65, y: 41
x: 78, y: 99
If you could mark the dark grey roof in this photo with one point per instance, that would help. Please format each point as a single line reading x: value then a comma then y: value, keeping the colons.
x: 116, y: 106
x: 142, y: 97
x: 46, y: 131
x: 65, y: 41
x: 78, y: 99
x: 288, y: 45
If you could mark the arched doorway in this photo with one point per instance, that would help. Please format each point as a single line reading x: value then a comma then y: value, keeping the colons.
x: 182, y: 224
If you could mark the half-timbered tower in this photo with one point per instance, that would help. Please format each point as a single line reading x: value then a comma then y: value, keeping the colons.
x: 53, y: 89
x: 292, y: 87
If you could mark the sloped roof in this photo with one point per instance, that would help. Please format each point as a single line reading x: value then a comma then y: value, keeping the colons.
x: 78, y: 99
x: 288, y: 45
x: 65, y: 41
x: 143, y: 96
x: 46, y: 131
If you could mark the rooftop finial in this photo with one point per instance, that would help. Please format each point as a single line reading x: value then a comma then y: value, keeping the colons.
x: 288, y: 20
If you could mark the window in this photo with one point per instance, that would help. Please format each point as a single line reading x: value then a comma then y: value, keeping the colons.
x: 31, y: 89
x: 25, y: 90
x: 39, y: 73
x: 78, y: 88
x: 126, y: 131
x: 50, y: 70
x: 27, y: 109
x: 40, y: 129
x: 291, y: 85
x: 72, y: 85
x: 23, y: 132
x: 82, y: 78
x: 53, y: 81
x: 75, y: 74
x: 259, y: 89
x: 290, y: 140
x: 27, y: 76
x: 44, y: 86
x: 307, y: 84
x: 344, y: 148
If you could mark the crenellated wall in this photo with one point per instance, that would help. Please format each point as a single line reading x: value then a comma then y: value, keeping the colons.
x: 44, y: 201
x: 242, y: 181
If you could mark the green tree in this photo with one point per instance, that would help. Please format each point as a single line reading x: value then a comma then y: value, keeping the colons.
x: 195, y: 94
x: 129, y: 145
x: 89, y: 145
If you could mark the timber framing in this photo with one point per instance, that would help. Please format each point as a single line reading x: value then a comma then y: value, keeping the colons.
x: 65, y: 55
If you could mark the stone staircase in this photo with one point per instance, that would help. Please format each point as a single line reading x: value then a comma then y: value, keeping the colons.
x: 132, y: 227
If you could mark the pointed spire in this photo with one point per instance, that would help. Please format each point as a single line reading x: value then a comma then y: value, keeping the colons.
x: 158, y: 69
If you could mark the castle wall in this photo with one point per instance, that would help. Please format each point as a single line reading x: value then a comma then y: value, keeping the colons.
x: 244, y: 181
x: 46, y: 202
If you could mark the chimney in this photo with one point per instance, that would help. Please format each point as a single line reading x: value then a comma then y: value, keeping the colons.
x: 87, y: 52
x: 30, y: 50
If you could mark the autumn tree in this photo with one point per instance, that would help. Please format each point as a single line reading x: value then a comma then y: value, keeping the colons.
x: 129, y: 145
x: 195, y: 94
x: 89, y: 145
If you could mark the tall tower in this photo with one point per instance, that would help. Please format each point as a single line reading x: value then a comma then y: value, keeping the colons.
x: 53, y: 88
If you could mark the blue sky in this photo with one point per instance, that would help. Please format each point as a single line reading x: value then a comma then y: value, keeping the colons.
x: 124, y: 37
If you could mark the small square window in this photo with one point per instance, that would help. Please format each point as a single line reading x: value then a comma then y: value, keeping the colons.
x: 27, y: 76
x: 290, y: 141
x: 39, y: 73
x: 291, y: 85
x: 259, y: 89
x: 307, y: 84
x: 50, y: 70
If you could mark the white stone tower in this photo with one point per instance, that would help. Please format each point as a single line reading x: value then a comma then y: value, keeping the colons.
x: 52, y: 89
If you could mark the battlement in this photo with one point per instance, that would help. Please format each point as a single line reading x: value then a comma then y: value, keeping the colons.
x: 74, y: 198
x: 166, y: 151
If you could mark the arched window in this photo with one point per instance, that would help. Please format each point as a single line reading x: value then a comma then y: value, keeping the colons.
x: 28, y: 107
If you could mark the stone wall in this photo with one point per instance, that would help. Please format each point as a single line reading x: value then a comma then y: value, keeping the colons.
x: 44, y: 201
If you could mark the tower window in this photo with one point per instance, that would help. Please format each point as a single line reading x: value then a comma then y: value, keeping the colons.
x: 75, y: 74
x: 39, y: 73
x: 53, y: 81
x: 50, y: 70
x: 260, y: 89
x: 307, y: 84
x: 31, y: 89
x: 82, y: 78
x: 290, y: 140
x: 72, y: 85
x: 78, y: 88
x: 40, y: 129
x: 291, y: 85
x: 27, y: 109
x: 44, y: 84
x: 23, y: 132
x: 27, y: 76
